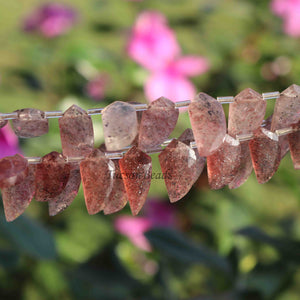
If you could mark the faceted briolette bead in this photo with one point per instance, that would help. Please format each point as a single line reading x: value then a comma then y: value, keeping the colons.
x: 76, y: 132
x: 265, y: 154
x: 181, y: 168
x: 17, y: 197
x: 157, y: 123
x: 294, y: 144
x: 13, y: 170
x: 208, y: 123
x: 30, y: 123
x: 223, y: 165
x: 287, y: 108
x: 136, y: 169
x: 245, y: 167
x: 52, y: 175
x: 246, y: 113
x: 60, y: 202
x: 118, y: 197
x: 97, y: 174
x: 120, y: 125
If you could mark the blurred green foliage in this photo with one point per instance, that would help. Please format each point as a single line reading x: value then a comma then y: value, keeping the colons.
x: 238, y: 244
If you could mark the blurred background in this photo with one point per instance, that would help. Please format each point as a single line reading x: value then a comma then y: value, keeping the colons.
x: 227, y: 244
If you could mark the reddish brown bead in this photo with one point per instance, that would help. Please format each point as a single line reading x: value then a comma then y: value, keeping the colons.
x: 265, y: 154
x: 180, y: 167
x: 118, y: 197
x: 208, y: 123
x: 223, y: 165
x: 13, y: 170
x: 70, y: 191
x: 245, y: 167
x: 294, y: 145
x: 52, y: 175
x: 157, y: 123
x: 246, y: 113
x: 136, y: 169
x: 76, y: 132
x: 97, y: 173
x: 17, y: 197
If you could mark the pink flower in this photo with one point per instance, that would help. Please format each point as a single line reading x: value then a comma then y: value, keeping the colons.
x: 152, y: 43
x: 95, y: 88
x: 134, y: 228
x: 157, y: 214
x: 8, y: 142
x: 289, y: 10
x: 51, y: 20
x: 154, y: 46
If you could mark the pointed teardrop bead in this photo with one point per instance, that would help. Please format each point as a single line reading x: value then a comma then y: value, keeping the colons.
x: 157, y: 123
x: 2, y: 123
x: 52, y: 175
x: 265, y: 154
x: 17, y: 197
x: 118, y: 197
x: 13, y: 170
x: 180, y: 167
x: 97, y: 174
x: 246, y: 113
x: 65, y: 198
x: 136, y: 169
x: 245, y: 167
x: 294, y: 144
x: 30, y: 123
x: 287, y: 108
x: 223, y: 165
x: 76, y: 132
x: 208, y: 123
x: 120, y: 125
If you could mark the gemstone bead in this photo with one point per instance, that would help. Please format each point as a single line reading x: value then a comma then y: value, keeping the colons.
x: 60, y: 202
x: 180, y: 167
x: 208, y: 123
x: 223, y: 165
x: 97, y: 174
x: 120, y: 125
x: 13, y: 170
x: 294, y: 144
x: 287, y: 108
x: 246, y: 113
x: 118, y: 197
x: 157, y: 123
x: 76, y: 132
x: 30, y: 123
x: 136, y: 169
x: 52, y: 175
x: 17, y: 197
x: 245, y: 167
x: 265, y: 154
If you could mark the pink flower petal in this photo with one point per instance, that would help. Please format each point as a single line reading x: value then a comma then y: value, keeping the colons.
x: 191, y: 65
x: 134, y: 228
x: 152, y: 43
x: 9, y: 144
x: 292, y: 24
x: 172, y: 86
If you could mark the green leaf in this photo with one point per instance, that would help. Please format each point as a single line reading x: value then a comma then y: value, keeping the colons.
x: 29, y: 236
x: 8, y: 258
x: 286, y: 247
x: 175, y: 245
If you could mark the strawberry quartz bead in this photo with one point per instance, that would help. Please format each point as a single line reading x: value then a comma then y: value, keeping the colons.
x: 208, y: 123
x: 30, y: 123
x: 120, y: 125
x: 157, y: 123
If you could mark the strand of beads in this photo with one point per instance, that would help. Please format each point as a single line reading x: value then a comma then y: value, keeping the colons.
x: 120, y: 170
